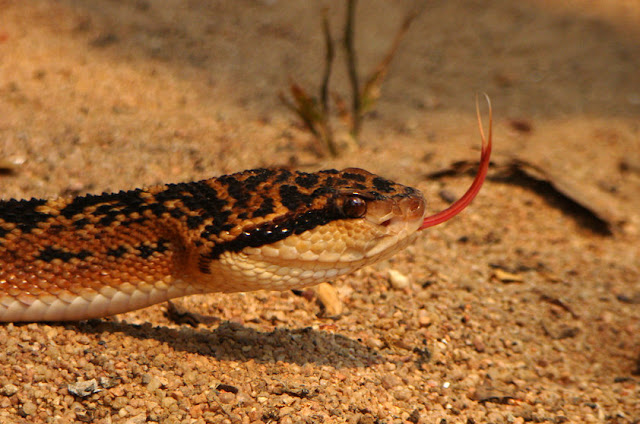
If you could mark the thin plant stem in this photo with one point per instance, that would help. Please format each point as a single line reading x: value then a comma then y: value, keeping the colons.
x: 349, y: 30
x: 324, y: 88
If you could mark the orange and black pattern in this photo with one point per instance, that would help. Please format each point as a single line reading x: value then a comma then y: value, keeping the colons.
x: 83, y: 243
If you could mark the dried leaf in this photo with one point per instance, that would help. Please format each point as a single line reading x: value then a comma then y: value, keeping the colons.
x: 306, y: 106
x: 343, y: 109
x: 586, y: 199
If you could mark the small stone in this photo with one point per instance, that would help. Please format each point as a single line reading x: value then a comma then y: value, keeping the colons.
x: 29, y: 408
x: 479, y: 344
x: 402, y: 393
x: 424, y: 318
x: 83, y: 388
x: 138, y: 419
x: 389, y: 381
x: 10, y: 390
x: 414, y: 417
x: 153, y: 384
x: 109, y: 382
x: 168, y: 402
x: 366, y: 419
x: 398, y: 280
x: 374, y: 342
x: 119, y: 403
x: 227, y: 397
x: 328, y: 297
x: 244, y: 398
x: 81, y: 412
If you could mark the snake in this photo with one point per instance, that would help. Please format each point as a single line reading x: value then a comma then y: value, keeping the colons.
x: 98, y: 255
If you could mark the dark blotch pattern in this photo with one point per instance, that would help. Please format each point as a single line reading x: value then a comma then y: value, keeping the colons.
x: 198, y: 213
x: 49, y: 253
x: 117, y: 252
x: 147, y: 250
x: 108, y: 205
x: 236, y: 190
x: 202, y: 198
x: 355, y: 177
x: 23, y: 213
x: 283, y: 176
x: 267, y: 207
x: 194, y: 221
x: 81, y: 223
x: 306, y: 180
x: 271, y: 232
x: 383, y: 185
x: 292, y: 198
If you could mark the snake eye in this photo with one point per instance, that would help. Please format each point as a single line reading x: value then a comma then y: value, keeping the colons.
x: 354, y: 207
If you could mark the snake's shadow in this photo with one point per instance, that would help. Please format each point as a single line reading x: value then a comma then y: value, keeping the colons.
x: 231, y: 341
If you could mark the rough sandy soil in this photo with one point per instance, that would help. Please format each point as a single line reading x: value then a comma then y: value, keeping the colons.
x: 108, y: 95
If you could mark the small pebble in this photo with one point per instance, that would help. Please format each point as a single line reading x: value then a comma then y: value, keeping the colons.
x: 10, y: 390
x: 109, y: 382
x: 168, y: 402
x: 398, y: 280
x: 328, y: 296
x: 479, y: 344
x: 138, y: 419
x: 402, y: 393
x: 390, y: 381
x: 227, y: 397
x: 28, y: 408
x: 83, y: 388
x: 153, y: 384
x: 424, y: 318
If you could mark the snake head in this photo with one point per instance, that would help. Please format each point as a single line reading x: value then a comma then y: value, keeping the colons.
x: 298, y: 229
x: 382, y: 216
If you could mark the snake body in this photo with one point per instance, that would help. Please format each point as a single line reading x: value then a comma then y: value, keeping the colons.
x: 98, y: 255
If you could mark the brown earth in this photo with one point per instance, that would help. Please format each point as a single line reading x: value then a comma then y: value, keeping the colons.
x: 108, y: 95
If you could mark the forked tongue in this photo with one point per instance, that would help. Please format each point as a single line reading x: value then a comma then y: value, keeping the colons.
x: 464, y: 201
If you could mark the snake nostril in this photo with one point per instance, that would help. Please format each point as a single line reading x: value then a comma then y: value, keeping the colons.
x: 386, y: 223
x: 413, y: 207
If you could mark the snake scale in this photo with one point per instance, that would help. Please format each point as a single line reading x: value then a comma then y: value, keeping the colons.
x: 98, y: 255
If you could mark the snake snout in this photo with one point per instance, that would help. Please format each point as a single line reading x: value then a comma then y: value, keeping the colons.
x: 412, y: 208
x: 406, y: 213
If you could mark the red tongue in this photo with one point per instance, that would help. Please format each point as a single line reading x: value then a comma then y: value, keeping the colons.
x: 464, y: 201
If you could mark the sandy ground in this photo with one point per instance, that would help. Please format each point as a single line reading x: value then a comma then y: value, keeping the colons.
x: 107, y: 95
